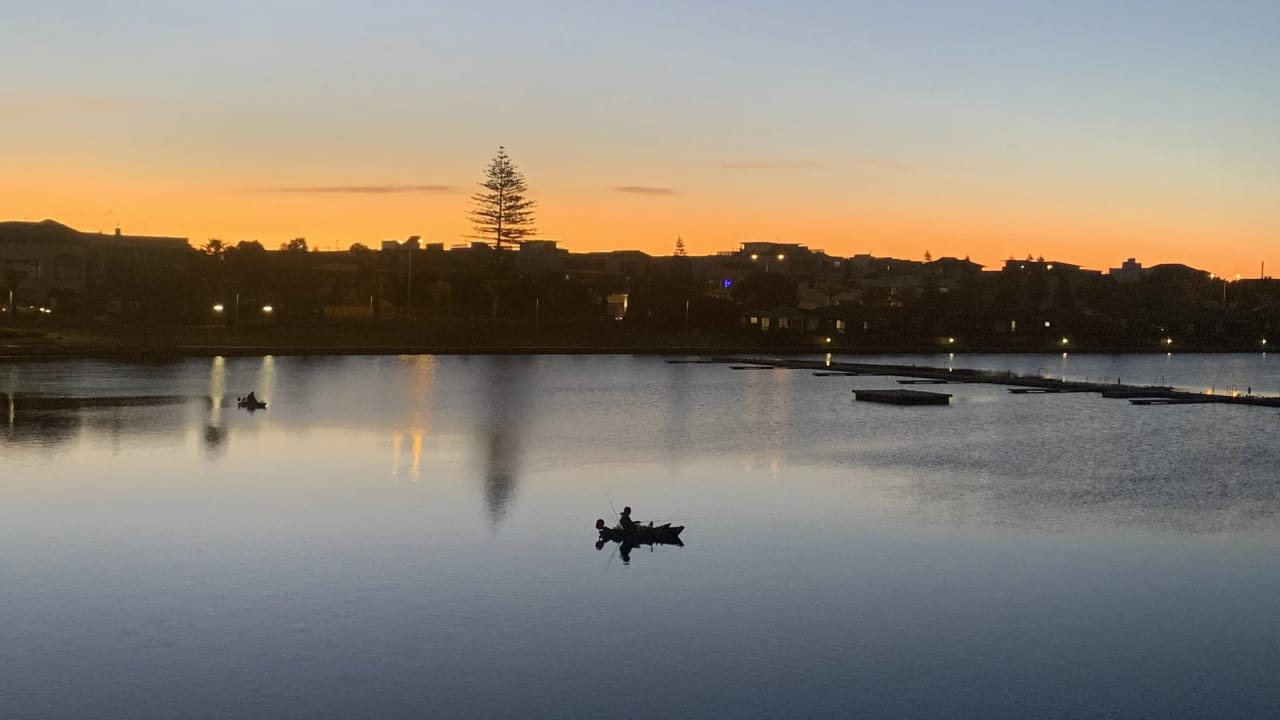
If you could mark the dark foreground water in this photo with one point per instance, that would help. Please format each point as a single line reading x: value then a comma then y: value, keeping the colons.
x: 412, y: 537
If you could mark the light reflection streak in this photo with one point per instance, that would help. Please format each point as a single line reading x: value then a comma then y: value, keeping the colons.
x: 677, y: 413
x: 267, y: 378
x: 217, y: 389
x: 214, y: 434
x: 424, y: 373
x: 13, y: 384
x: 767, y: 406
x: 415, y: 470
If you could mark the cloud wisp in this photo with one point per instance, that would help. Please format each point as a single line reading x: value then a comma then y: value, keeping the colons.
x: 357, y: 189
x: 645, y: 190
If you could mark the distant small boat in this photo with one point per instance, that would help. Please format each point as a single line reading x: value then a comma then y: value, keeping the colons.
x: 250, y: 404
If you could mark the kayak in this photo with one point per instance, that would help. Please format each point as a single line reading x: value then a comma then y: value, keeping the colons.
x: 666, y: 534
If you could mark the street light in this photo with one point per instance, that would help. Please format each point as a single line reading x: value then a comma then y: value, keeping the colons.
x: 267, y: 309
x: 218, y: 308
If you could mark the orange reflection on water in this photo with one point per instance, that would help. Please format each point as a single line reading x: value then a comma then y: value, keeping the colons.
x: 420, y: 415
x: 415, y: 470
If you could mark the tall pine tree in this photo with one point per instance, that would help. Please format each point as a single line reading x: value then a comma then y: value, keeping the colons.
x: 502, y: 213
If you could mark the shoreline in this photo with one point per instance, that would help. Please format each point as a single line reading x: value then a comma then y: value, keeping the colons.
x: 165, y: 353
x: 160, y: 343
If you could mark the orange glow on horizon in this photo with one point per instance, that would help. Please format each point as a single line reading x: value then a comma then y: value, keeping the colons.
x: 981, y: 226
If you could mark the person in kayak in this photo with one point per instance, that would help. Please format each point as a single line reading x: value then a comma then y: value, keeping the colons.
x: 250, y: 399
x: 628, y: 525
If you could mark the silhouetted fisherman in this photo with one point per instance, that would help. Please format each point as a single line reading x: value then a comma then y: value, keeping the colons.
x: 628, y: 525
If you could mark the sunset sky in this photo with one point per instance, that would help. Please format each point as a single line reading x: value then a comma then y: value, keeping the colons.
x: 1084, y: 131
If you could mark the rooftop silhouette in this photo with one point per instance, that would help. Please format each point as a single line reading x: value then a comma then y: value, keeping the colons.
x: 761, y: 293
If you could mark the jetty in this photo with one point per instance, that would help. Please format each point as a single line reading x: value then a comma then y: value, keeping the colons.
x: 1149, y: 395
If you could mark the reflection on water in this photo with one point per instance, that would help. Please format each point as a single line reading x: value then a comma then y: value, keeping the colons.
x: 214, y: 435
x: 766, y: 411
x: 990, y: 458
x: 421, y: 387
x: 266, y: 388
x: 677, y: 413
x: 44, y: 428
x: 1004, y: 557
x: 623, y: 545
x: 505, y: 397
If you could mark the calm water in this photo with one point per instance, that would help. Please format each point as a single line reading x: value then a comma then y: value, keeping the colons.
x: 412, y: 537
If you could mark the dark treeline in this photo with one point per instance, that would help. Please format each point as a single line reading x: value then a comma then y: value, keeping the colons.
x: 762, y: 294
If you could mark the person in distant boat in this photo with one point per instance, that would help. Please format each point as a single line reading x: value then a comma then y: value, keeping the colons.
x: 628, y: 525
x: 251, y: 399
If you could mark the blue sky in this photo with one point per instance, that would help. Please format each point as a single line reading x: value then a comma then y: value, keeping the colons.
x: 861, y: 126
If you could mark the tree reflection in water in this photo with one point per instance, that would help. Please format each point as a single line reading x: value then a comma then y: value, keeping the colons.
x: 506, y: 393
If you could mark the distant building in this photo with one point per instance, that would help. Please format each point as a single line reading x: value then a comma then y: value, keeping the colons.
x: 540, y: 256
x: 1180, y: 271
x: 1130, y: 271
x: 785, y: 258
x: 950, y: 273
x: 49, y: 265
x: 781, y: 319
x: 1035, y: 266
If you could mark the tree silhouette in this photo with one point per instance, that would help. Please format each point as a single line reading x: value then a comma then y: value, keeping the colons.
x: 502, y: 213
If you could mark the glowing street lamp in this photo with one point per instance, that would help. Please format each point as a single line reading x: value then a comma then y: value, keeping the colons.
x: 218, y: 308
x: 267, y: 309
